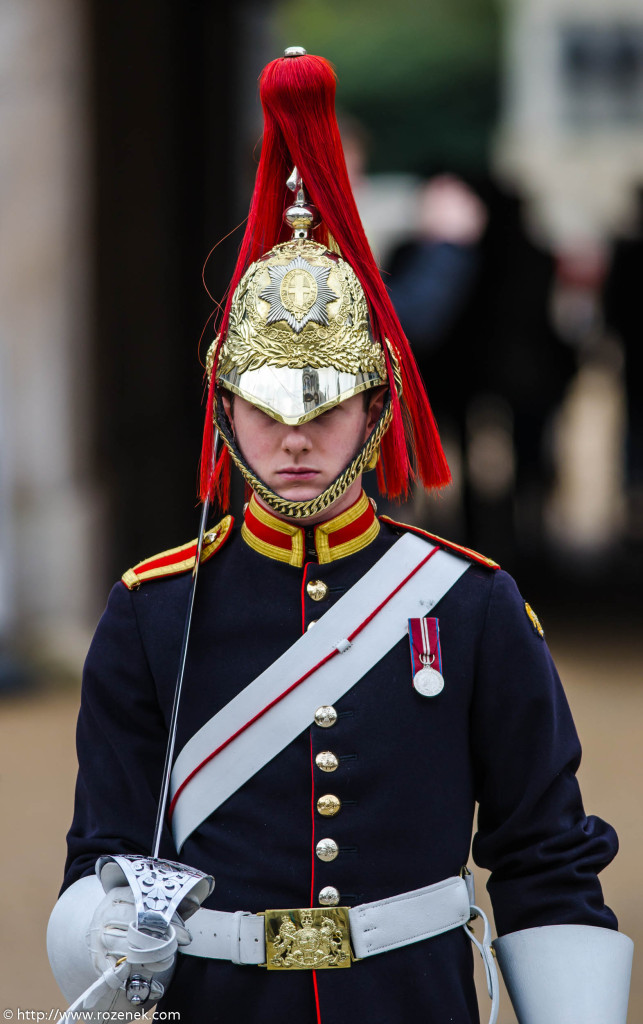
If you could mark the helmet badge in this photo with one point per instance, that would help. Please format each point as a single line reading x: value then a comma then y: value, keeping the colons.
x: 298, y: 293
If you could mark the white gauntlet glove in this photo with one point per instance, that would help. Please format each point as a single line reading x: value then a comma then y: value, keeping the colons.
x: 112, y: 943
x: 113, y: 935
x: 567, y: 974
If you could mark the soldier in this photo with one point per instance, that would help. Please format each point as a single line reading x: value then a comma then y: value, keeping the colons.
x: 351, y: 688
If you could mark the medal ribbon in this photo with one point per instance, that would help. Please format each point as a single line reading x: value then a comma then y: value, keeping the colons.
x: 424, y: 641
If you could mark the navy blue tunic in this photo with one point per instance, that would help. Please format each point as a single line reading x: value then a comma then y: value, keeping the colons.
x: 410, y: 772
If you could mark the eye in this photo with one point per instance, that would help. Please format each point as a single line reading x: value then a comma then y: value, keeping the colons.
x: 262, y: 416
x: 329, y: 412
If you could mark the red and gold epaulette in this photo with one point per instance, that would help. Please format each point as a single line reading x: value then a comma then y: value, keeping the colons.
x: 458, y: 549
x: 178, y: 560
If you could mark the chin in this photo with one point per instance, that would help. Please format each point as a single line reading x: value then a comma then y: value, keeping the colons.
x: 300, y: 492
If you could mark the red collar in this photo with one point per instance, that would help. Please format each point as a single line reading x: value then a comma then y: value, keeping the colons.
x: 336, y: 538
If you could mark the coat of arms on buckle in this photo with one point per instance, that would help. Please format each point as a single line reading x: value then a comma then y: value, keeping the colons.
x: 307, y: 939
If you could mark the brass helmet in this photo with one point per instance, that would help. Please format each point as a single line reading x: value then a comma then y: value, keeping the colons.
x: 299, y: 338
x: 302, y: 331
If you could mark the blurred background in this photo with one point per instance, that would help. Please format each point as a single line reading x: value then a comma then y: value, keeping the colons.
x: 496, y: 153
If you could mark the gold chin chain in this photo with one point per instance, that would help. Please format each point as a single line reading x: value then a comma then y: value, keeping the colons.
x: 303, y: 509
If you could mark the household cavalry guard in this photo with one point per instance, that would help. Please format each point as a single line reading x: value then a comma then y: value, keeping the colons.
x: 278, y: 768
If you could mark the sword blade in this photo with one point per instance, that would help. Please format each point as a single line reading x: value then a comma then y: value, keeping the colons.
x: 169, y: 751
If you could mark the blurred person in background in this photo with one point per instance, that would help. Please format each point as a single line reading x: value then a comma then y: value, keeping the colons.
x: 430, y: 278
x: 623, y: 312
x: 353, y: 686
x: 521, y: 369
x: 481, y: 326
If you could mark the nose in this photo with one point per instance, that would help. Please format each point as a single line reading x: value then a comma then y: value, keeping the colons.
x: 296, y: 440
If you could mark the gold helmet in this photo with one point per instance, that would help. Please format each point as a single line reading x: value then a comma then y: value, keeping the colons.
x: 309, y: 323
x: 299, y: 339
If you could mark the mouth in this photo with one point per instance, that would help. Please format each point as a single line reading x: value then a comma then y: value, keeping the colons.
x: 299, y: 473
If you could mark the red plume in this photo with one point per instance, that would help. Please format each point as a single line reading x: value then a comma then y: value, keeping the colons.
x: 300, y: 129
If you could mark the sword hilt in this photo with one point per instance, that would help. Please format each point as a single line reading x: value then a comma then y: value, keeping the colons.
x: 161, y: 888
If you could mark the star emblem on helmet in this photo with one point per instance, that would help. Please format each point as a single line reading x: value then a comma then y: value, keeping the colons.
x: 298, y: 293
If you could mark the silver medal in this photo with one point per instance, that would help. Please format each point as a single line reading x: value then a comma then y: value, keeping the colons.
x: 428, y: 682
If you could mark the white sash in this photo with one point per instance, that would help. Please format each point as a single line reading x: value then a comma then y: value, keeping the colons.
x: 220, y: 777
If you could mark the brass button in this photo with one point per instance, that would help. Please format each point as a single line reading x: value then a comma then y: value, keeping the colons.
x: 211, y: 537
x: 311, y: 624
x: 317, y: 590
x: 329, y: 896
x: 325, y: 716
x: 327, y: 761
x: 329, y: 805
x: 327, y: 849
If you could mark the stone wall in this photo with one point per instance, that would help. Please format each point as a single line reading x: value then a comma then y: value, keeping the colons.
x: 48, y: 507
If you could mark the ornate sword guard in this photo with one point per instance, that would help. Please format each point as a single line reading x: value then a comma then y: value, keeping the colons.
x: 161, y: 888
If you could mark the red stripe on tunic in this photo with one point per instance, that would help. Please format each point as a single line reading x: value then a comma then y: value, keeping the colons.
x: 355, y: 529
x: 266, y: 533
x: 175, y: 558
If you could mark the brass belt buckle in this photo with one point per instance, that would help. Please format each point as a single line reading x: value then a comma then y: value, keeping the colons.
x: 307, y: 939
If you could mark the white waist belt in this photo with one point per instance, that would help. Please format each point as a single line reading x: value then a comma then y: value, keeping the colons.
x: 374, y: 928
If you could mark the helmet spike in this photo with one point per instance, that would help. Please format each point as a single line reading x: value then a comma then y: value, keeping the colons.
x: 294, y: 181
x: 302, y: 216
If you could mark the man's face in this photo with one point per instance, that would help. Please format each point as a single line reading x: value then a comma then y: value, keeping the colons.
x: 298, y: 463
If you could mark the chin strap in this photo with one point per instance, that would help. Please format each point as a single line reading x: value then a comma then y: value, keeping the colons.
x: 303, y: 509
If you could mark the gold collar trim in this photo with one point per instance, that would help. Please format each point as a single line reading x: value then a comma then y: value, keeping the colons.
x: 336, y: 538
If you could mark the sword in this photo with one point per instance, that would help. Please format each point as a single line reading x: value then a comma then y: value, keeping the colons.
x: 171, y: 741
x: 160, y: 887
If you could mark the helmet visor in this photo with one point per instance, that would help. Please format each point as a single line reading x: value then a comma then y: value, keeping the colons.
x: 294, y: 396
